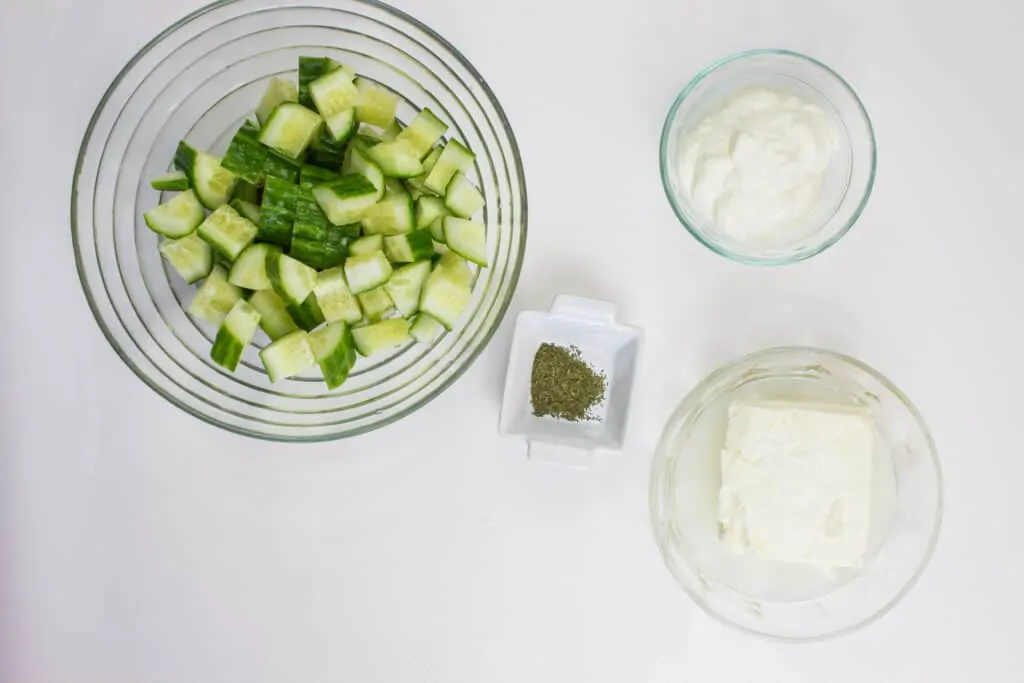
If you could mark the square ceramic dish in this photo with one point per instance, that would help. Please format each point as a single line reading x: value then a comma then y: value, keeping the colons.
x: 607, y: 346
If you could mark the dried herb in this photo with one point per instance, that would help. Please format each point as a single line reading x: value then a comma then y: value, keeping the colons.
x: 563, y: 385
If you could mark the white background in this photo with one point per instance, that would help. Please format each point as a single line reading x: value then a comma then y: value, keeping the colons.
x: 138, y: 544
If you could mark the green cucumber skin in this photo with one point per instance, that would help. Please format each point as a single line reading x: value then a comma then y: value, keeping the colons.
x: 248, y: 209
x: 410, y: 247
x: 277, y: 213
x: 326, y: 152
x: 306, y: 315
x: 310, y: 176
x: 310, y: 69
x: 185, y: 160
x: 280, y: 167
x: 173, y: 181
x: 274, y: 317
x: 315, y: 241
x: 247, y: 192
x: 336, y: 357
x: 227, y: 350
x: 346, y: 199
x: 246, y: 157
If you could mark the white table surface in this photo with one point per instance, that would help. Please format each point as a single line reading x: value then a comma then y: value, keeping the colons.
x: 138, y: 544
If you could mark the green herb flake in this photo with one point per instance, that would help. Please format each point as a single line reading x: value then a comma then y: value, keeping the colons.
x: 563, y: 385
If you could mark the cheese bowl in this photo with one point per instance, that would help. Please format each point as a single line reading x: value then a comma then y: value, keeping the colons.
x: 789, y: 600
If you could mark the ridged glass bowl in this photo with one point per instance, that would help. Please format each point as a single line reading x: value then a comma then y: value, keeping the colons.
x: 198, y: 80
x: 786, y: 601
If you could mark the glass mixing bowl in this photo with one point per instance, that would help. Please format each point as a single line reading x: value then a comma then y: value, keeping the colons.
x: 848, y: 178
x: 198, y: 80
x: 780, y: 600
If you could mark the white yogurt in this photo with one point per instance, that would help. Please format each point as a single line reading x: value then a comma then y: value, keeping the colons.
x: 755, y: 167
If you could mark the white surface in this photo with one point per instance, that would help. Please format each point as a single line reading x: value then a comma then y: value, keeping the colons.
x: 138, y: 544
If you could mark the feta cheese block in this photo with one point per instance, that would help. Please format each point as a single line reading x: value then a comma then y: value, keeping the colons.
x: 796, y: 482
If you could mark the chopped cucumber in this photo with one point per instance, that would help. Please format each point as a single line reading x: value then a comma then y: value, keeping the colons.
x: 214, y: 298
x: 391, y: 131
x: 228, y: 232
x: 446, y: 294
x: 366, y: 245
x: 310, y: 69
x: 274, y: 317
x: 306, y: 315
x: 190, y: 256
x: 409, y: 247
x: 423, y: 131
x: 429, y: 209
x: 290, y: 129
x: 376, y: 304
x: 406, y: 285
x: 246, y: 192
x: 437, y: 229
x: 368, y: 134
x: 345, y: 200
x: 375, y: 105
x: 391, y: 216
x: 366, y: 272
x: 311, y: 176
x: 277, y: 93
x: 247, y: 209
x: 381, y: 336
x: 419, y: 182
x: 212, y: 182
x: 291, y: 278
x: 336, y: 300
x: 335, y: 352
x: 462, y: 198
x: 325, y: 151
x: 235, y: 333
x: 280, y: 167
x: 454, y: 158
x: 395, y: 188
x: 246, y: 157
x: 356, y: 161
x: 467, y: 239
x: 288, y: 356
x: 397, y: 159
x: 456, y: 268
x: 335, y: 95
x: 250, y: 268
x: 177, y: 217
x: 315, y: 241
x: 175, y: 181
x: 426, y: 329
x: 277, y: 212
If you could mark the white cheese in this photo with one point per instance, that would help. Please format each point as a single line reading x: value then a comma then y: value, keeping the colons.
x: 796, y: 482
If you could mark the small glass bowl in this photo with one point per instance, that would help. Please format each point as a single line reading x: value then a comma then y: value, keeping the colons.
x: 849, y: 177
x: 790, y: 601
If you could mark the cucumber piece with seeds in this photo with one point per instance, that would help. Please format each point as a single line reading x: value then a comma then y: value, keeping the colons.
x: 277, y: 93
x: 214, y: 298
x: 423, y: 131
x: 397, y: 158
x: 235, y: 333
x: 310, y: 69
x: 335, y: 96
x: 274, y: 317
x: 288, y: 356
x: 381, y: 336
x: 178, y: 216
x: 213, y: 184
x: 376, y: 304
x: 250, y: 268
x: 447, y: 291
x: 462, y: 197
x: 467, y: 239
x: 454, y: 158
x: 426, y: 329
x: 335, y: 298
x: 228, y: 232
x: 290, y: 278
x: 392, y: 215
x: 345, y: 200
x: 290, y: 130
x: 406, y: 286
x: 374, y: 104
x: 366, y: 245
x: 190, y: 257
x: 335, y: 352
x: 366, y: 272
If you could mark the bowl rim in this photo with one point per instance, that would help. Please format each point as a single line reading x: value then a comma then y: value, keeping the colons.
x: 472, y: 353
x: 687, y: 404
x: 663, y: 158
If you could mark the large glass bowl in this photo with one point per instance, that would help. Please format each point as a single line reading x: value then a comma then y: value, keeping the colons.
x: 848, y: 178
x: 789, y: 601
x: 198, y: 80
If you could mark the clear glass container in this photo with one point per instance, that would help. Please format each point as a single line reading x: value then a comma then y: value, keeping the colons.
x: 198, y: 80
x: 794, y: 601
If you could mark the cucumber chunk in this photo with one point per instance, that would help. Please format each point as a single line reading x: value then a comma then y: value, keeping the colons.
x: 437, y: 229
x: 250, y: 268
x: 246, y: 157
x: 288, y: 356
x: 381, y: 336
x: 335, y: 95
x: 177, y: 217
x: 228, y: 232
x: 325, y: 151
x: 310, y: 69
x: 391, y: 131
x: 412, y: 246
x: 454, y: 158
x: 189, y: 256
x: 235, y: 333
x: 366, y: 245
x: 274, y: 317
x: 356, y: 161
x: 277, y: 212
x: 375, y: 105
x: 462, y: 197
x: 212, y: 183
x: 290, y: 278
x: 397, y: 159
x: 393, y: 215
x: 429, y: 209
x: 335, y: 298
x: 406, y: 285
x: 315, y: 241
x: 467, y: 239
x: 426, y: 329
x: 311, y: 176
x: 335, y: 352
x: 366, y: 272
x: 306, y: 315
x: 419, y: 182
x: 290, y: 129
x: 214, y: 298
x: 446, y: 293
x: 175, y: 181
x: 345, y: 200
x: 277, y: 93
x: 376, y: 304
x: 423, y: 131
x: 280, y: 167
x: 247, y: 209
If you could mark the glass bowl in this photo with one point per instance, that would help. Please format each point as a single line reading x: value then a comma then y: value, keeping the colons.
x: 790, y: 601
x: 198, y: 80
x: 848, y: 178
